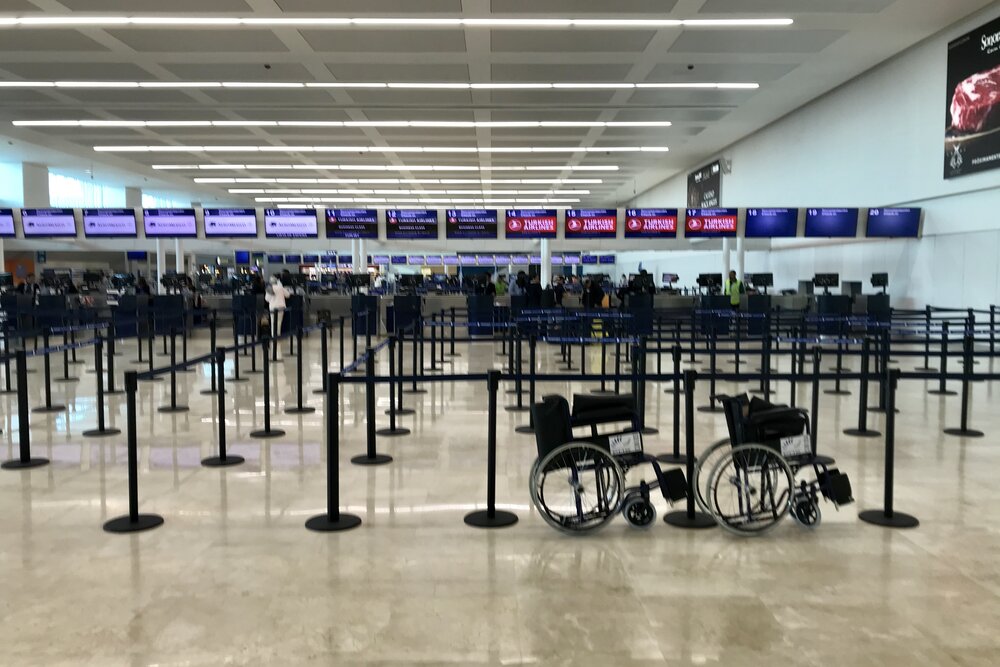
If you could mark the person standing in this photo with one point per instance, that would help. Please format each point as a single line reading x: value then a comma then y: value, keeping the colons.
x: 733, y: 288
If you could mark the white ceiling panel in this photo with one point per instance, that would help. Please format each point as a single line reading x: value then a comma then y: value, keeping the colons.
x: 791, y: 7
x: 569, y: 41
x: 757, y: 41
x: 248, y: 71
x: 513, y: 73
x: 575, y: 8
x: 80, y: 71
x: 364, y: 7
x: 138, y: 6
x: 56, y: 39
x: 551, y: 98
x: 735, y: 72
x: 200, y: 41
x: 385, y: 41
x: 403, y: 72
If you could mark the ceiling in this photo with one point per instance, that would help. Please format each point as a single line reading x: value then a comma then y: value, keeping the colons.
x: 830, y: 42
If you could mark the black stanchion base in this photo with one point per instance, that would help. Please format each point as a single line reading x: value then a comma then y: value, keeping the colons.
x: 821, y: 460
x: 602, y: 392
x: 526, y: 429
x: 210, y: 392
x: 254, y: 372
x: 116, y: 392
x: 926, y: 369
x: 152, y: 379
x: 842, y: 369
x: 237, y: 379
x: 679, y: 459
x: 304, y: 410
x: 66, y: 380
x: 392, y: 432
x: 710, y: 408
x: 649, y: 430
x: 897, y: 520
x: 400, y: 412
x: 964, y: 432
x: 273, y: 433
x: 453, y: 355
x: 377, y: 460
x: 837, y: 392
x: 18, y: 464
x: 124, y: 524
x: 682, y: 520
x: 517, y: 408
x: 414, y: 391
x: 515, y: 392
x: 939, y: 392
x: 172, y: 409
x: 319, y: 392
x: 482, y: 519
x: 878, y: 409
x: 322, y: 523
x: 43, y: 410
x: 101, y: 433
x: 858, y: 433
x: 219, y: 462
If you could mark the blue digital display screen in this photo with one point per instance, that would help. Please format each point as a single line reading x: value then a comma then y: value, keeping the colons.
x: 310, y: 259
x: 293, y: 259
x: 242, y: 256
x: 770, y: 223
x: 607, y: 259
x: 275, y: 259
x: 590, y: 259
x: 399, y: 259
x: 832, y: 222
x: 893, y: 223
x: 470, y: 224
x: 411, y: 224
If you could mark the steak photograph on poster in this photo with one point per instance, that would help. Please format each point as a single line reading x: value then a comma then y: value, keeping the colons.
x: 972, y: 134
x: 705, y: 186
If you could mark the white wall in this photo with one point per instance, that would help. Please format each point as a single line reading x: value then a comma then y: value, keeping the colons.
x: 876, y: 141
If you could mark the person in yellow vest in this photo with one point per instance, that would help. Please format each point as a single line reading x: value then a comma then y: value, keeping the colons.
x: 733, y: 289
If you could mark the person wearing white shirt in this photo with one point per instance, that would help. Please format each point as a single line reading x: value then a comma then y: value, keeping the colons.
x: 276, y: 297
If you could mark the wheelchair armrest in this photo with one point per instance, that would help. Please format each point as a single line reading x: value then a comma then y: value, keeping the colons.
x: 777, y: 413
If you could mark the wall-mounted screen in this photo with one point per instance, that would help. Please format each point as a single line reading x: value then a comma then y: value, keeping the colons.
x: 470, y: 224
x: 415, y: 260
x: 242, y: 257
x: 7, y: 223
x: 136, y: 255
x: 710, y: 222
x: 290, y: 223
x: 351, y: 223
x: 520, y: 260
x: 402, y: 223
x: 293, y: 259
x: 769, y: 223
x: 591, y: 223
x: 344, y: 260
x: 230, y: 223
x: 310, y: 259
x: 893, y: 223
x: 531, y: 223
x: 398, y: 259
x: 571, y: 259
x: 484, y: 260
x: 51, y: 222
x: 109, y: 222
x: 171, y: 223
x: 536, y: 259
x: 432, y: 260
x: 557, y: 260
x: 450, y: 260
x: 590, y: 259
x: 467, y: 260
x: 275, y: 259
x: 651, y: 223
x: 606, y: 259
x: 501, y: 260
x: 380, y: 259
x: 832, y: 222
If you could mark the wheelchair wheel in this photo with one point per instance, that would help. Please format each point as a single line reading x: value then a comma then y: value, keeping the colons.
x: 577, y: 487
x: 806, y: 512
x: 751, y: 490
x: 703, y: 468
x: 639, y: 512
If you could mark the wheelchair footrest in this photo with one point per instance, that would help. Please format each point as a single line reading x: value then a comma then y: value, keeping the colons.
x: 836, y: 486
x: 674, y: 485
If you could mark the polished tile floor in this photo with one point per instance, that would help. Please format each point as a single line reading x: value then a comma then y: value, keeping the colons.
x: 233, y: 577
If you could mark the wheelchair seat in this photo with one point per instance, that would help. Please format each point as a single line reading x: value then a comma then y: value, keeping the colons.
x: 591, y: 410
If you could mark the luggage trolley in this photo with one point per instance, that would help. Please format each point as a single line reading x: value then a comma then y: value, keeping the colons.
x: 578, y: 484
x: 751, y: 485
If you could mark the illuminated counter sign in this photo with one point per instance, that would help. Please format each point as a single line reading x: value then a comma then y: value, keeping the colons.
x: 7, y: 223
x: 711, y: 222
x: 832, y: 222
x: 531, y: 223
x: 650, y: 223
x: 351, y: 223
x: 591, y: 223
x: 170, y: 223
x: 230, y: 223
x: 471, y: 224
x: 771, y: 223
x: 48, y: 222
x: 109, y: 222
x: 889, y: 223
x: 411, y: 224
x: 290, y: 223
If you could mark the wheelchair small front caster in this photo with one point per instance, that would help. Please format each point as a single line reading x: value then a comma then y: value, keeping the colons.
x: 639, y: 512
x: 806, y: 512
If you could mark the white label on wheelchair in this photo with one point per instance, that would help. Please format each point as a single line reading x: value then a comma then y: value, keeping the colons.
x: 796, y: 445
x: 625, y: 443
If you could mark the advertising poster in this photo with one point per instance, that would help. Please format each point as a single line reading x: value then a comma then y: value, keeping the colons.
x: 705, y: 186
x: 972, y: 116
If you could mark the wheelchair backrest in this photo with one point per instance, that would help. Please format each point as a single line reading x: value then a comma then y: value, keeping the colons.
x: 736, y: 409
x: 552, y: 423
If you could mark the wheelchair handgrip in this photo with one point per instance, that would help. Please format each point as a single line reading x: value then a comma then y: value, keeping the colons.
x: 777, y: 413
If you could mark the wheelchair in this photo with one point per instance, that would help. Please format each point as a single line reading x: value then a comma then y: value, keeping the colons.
x: 578, y: 484
x: 751, y: 484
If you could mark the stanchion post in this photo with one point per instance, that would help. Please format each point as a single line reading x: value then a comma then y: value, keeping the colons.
x: 173, y: 407
x: 393, y: 430
x: 100, y: 431
x: 862, y: 431
x: 324, y: 360
x: 267, y: 431
x: 689, y: 518
x: 640, y: 359
x: 532, y: 363
x: 24, y: 459
x: 212, y: 334
x: 887, y: 516
x: 47, y: 370
x: 675, y: 456
x: 451, y: 348
x: 134, y: 522
x: 371, y: 457
x: 343, y: 363
x: 112, y: 343
x: 300, y: 408
x: 223, y: 459
x: 942, y: 389
x: 518, y: 378
x: 491, y: 517
x: 333, y: 520
x: 968, y: 343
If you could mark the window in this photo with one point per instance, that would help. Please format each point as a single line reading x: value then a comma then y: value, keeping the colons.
x: 70, y: 192
x: 160, y: 201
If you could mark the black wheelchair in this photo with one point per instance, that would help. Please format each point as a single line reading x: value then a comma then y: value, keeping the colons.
x: 751, y: 486
x: 578, y: 484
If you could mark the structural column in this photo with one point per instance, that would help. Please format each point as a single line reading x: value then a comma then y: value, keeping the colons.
x: 726, y: 260
x: 133, y: 198
x: 740, y: 257
x: 178, y: 257
x: 161, y: 265
x: 546, y: 277
x: 36, y: 185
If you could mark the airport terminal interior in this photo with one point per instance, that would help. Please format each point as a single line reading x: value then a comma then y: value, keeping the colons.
x: 499, y: 332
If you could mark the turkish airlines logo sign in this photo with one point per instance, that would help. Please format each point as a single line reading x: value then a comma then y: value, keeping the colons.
x: 650, y: 223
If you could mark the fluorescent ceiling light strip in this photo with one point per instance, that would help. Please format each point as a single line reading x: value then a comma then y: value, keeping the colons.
x: 338, y: 123
x: 384, y: 167
x: 390, y: 21
x: 396, y: 85
x: 391, y: 181
x: 380, y: 149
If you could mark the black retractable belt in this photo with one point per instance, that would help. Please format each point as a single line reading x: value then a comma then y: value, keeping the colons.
x: 134, y: 521
x: 66, y: 376
x: 101, y: 430
x: 24, y: 459
x: 324, y: 360
x: 371, y: 457
x: 689, y: 518
x: 333, y: 519
x: 887, y: 516
x: 963, y: 430
x: 518, y: 377
x: 223, y: 459
x: 491, y: 517
x: 530, y: 426
x: 267, y: 431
